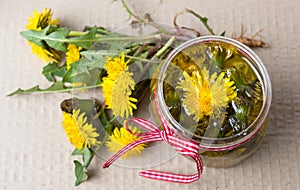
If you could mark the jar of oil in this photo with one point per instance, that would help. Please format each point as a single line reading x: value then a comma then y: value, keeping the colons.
x: 215, y: 91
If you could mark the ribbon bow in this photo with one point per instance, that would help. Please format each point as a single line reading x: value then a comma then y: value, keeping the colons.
x: 183, y: 146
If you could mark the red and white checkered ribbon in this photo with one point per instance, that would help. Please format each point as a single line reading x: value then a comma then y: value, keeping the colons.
x: 183, y: 146
x: 154, y: 134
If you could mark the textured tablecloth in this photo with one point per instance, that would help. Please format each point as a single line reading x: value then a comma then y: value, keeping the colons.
x: 35, y: 153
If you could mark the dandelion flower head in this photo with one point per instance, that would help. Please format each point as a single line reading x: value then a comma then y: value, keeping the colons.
x: 80, y: 133
x: 38, y: 21
x: 72, y: 55
x: 120, y: 138
x: 115, y: 66
x: 203, y: 94
x: 117, y: 87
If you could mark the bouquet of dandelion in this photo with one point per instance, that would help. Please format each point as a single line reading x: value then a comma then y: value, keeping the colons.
x: 97, y: 58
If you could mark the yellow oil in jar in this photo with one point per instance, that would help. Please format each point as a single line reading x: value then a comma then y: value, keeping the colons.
x: 216, y: 65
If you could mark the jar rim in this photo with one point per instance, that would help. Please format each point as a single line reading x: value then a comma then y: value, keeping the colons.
x: 259, y: 70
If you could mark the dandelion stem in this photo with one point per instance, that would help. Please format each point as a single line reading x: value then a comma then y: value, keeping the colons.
x: 97, y: 39
x: 203, y: 20
x: 165, y: 47
x: 76, y: 33
x: 140, y: 20
x: 157, y: 55
x: 140, y: 59
x: 134, y: 57
x: 99, y: 30
x: 92, y: 156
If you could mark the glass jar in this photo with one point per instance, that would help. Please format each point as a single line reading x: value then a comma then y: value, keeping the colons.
x: 228, y: 124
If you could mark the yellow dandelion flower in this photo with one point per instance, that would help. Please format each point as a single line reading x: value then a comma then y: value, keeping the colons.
x: 107, y: 87
x: 117, y: 94
x: 117, y: 87
x: 72, y: 55
x: 38, y: 21
x: 120, y: 138
x: 122, y: 103
x: 203, y: 93
x: 80, y: 133
x: 115, y: 66
x: 46, y: 54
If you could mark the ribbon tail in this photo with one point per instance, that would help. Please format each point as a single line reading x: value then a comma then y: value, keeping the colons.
x: 177, y: 178
x: 127, y: 148
x: 166, y: 176
x: 199, y: 163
